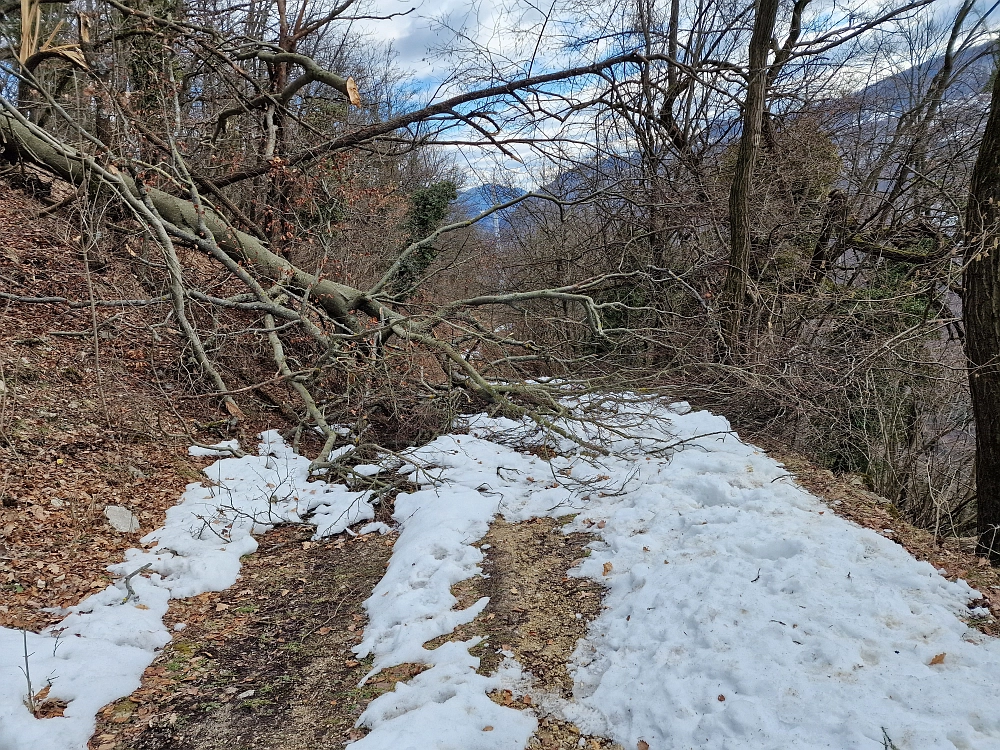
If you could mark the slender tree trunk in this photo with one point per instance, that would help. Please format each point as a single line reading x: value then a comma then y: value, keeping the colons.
x: 735, y: 289
x: 981, y: 311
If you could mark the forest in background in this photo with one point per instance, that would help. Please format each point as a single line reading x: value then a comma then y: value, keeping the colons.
x: 764, y: 209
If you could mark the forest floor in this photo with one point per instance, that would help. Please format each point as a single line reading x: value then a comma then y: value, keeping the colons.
x: 89, y: 419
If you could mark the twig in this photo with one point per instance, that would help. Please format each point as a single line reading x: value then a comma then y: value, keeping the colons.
x: 128, y: 581
x: 56, y: 206
x: 30, y: 701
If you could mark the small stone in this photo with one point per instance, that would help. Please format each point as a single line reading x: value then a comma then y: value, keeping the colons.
x: 136, y: 472
x: 121, y: 519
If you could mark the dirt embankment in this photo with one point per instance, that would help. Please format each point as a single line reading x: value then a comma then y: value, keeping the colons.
x: 98, y: 405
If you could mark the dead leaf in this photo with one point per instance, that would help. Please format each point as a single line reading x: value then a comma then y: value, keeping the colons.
x: 487, y: 728
x: 607, y: 568
x: 233, y: 409
x: 601, y: 524
x: 526, y: 700
x: 939, y: 659
x: 642, y: 745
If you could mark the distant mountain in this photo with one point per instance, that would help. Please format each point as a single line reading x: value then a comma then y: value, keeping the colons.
x: 477, y: 199
x: 971, y: 74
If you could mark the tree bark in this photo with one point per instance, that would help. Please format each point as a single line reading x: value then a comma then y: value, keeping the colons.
x: 735, y: 288
x: 981, y: 312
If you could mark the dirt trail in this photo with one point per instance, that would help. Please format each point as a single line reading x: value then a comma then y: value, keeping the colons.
x: 267, y: 663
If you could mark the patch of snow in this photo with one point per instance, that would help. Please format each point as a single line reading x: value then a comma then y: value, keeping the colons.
x: 225, y: 448
x: 775, y: 624
x: 371, y: 528
x: 445, y: 707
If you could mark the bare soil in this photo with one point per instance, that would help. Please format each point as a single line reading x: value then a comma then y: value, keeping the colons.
x: 97, y: 407
x: 267, y: 663
x: 536, y: 613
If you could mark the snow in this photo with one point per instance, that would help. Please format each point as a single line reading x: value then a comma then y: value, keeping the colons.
x: 97, y: 654
x: 225, y: 448
x: 740, y: 612
x: 817, y: 633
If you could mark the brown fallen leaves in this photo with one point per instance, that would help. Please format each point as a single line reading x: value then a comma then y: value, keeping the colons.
x: 45, y: 707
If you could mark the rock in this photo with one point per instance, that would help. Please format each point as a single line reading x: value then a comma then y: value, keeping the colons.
x: 121, y: 519
x: 136, y: 472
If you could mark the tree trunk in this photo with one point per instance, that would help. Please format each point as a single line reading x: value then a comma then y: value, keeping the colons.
x: 735, y: 289
x: 981, y: 311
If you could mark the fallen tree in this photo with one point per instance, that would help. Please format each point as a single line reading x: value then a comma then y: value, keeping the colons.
x: 347, y: 324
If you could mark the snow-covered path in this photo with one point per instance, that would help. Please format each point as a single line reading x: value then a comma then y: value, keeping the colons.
x: 740, y: 612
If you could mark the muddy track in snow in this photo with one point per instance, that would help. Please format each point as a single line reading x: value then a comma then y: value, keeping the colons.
x: 267, y: 664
